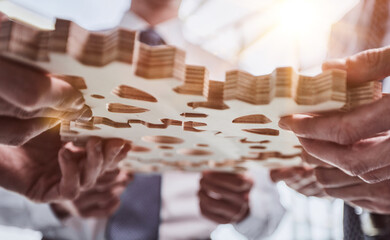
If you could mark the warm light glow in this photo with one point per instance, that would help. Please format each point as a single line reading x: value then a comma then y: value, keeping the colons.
x: 299, y: 16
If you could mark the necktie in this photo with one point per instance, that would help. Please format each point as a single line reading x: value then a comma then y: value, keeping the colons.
x: 151, y: 37
x: 138, y: 217
x: 352, y: 225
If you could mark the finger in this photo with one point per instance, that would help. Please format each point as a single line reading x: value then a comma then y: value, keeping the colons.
x: 350, y: 193
x: 313, y: 161
x: 372, y: 206
x: 277, y: 175
x: 111, y: 149
x: 97, y: 198
x: 232, y: 181
x: 9, y: 110
x: 335, y: 64
x: 301, y: 181
x: 377, y: 175
x: 122, y: 179
x: 287, y: 174
x: 17, y: 132
x: 213, y: 216
x: 220, y: 207
x: 311, y: 189
x: 108, y: 177
x: 94, y: 162
x: 342, y: 128
x: 354, y: 160
x: 69, y: 159
x: 122, y: 154
x: 32, y: 89
x: 334, y: 178
x: 101, y: 212
x: 370, y: 65
x: 223, y: 193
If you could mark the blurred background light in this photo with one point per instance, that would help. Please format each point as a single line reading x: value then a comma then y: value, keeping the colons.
x: 256, y: 36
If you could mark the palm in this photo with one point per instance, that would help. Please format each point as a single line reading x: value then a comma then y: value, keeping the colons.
x: 41, y: 174
x: 35, y: 170
x: 44, y: 169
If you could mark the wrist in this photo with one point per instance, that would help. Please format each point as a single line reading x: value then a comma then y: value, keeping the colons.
x: 7, y: 164
x: 60, y: 211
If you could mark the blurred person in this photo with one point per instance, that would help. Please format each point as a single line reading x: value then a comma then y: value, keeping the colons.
x: 364, y: 27
x: 192, y: 204
x: 173, y: 205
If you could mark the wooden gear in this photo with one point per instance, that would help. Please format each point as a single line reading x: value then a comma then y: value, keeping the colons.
x: 176, y: 117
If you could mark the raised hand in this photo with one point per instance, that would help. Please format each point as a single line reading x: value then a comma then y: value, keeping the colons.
x: 28, y: 94
x: 45, y: 170
x: 101, y: 201
x: 357, y: 141
x: 224, y: 197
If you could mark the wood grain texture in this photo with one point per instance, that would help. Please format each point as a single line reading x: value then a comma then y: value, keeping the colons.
x: 128, y: 92
x: 148, y: 95
x: 123, y: 108
x: 254, y: 118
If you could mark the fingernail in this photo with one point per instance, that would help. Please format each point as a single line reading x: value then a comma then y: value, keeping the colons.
x: 86, y: 115
x: 334, y: 64
x: 79, y: 104
x: 284, y: 123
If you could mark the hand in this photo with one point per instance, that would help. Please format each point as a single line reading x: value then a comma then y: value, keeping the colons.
x: 26, y: 95
x: 99, y: 202
x: 224, y: 197
x: 357, y: 141
x: 301, y: 179
x: 45, y: 170
x: 337, y: 184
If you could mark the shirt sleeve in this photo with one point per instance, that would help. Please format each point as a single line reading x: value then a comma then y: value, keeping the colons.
x: 266, y: 211
x: 18, y: 211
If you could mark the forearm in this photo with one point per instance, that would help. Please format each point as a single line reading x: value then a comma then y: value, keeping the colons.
x: 10, y: 162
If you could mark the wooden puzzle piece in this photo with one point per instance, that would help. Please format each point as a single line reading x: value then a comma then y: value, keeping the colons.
x: 147, y: 95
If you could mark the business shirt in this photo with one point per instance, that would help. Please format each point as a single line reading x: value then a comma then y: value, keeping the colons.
x: 180, y: 214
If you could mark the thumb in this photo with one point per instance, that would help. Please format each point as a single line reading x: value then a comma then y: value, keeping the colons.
x: 366, y: 66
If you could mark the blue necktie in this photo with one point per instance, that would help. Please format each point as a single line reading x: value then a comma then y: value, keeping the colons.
x: 352, y: 224
x: 138, y: 217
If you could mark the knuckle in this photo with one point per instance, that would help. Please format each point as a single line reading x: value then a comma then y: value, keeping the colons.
x: 370, y: 178
x: 355, y: 167
x: 371, y: 57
